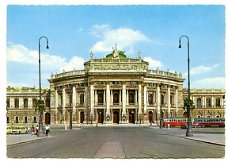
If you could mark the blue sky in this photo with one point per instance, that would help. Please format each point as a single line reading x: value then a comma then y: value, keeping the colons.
x: 73, y: 31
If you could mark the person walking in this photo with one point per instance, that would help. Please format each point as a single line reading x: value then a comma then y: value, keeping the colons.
x: 47, y: 130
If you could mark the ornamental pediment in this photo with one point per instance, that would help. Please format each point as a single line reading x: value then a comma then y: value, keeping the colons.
x: 117, y: 67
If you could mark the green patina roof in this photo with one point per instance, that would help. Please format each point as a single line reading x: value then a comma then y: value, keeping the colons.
x: 121, y: 54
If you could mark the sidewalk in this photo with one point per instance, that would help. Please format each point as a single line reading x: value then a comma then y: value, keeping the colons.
x: 218, y: 139
x: 21, y: 138
x: 207, y: 137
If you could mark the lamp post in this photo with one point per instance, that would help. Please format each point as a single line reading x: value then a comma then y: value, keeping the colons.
x: 70, y: 124
x: 41, y: 102
x: 189, y: 132
x: 161, y: 114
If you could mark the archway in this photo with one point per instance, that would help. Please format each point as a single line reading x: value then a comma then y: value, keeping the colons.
x: 100, y: 116
x: 116, y: 116
x: 47, y: 118
x: 131, y: 116
x: 81, y: 117
x: 150, y: 116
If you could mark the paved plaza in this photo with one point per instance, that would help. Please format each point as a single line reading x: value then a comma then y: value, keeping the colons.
x: 119, y: 142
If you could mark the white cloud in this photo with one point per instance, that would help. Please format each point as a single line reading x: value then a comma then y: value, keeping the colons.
x: 201, y: 69
x: 20, y: 54
x: 214, y: 82
x: 125, y: 38
x: 153, y: 64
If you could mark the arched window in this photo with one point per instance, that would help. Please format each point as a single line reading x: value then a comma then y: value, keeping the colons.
x: 116, y: 98
x: 34, y: 119
x: 25, y: 103
x: 100, y: 98
x: 217, y: 102
x: 131, y: 98
x: 150, y: 98
x: 16, y: 101
x: 199, y: 103
x: 171, y: 100
x: 47, y: 102
x: 208, y: 104
x: 81, y: 99
x: 162, y: 99
x: 7, y: 102
x: 25, y: 119
x: 34, y: 103
x: 16, y: 119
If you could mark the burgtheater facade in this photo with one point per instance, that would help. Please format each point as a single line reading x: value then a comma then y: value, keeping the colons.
x: 112, y: 90
x: 115, y: 89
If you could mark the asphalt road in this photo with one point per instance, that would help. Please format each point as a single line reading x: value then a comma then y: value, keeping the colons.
x: 116, y: 142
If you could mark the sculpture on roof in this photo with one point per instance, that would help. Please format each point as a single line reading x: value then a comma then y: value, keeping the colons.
x: 91, y: 55
x: 115, y: 52
x: 139, y: 55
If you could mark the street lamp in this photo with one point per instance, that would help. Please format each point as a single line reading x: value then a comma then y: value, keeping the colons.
x: 189, y: 132
x: 161, y: 114
x: 41, y: 102
x: 70, y: 125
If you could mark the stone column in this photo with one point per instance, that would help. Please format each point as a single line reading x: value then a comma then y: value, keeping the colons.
x: 145, y: 98
x: 136, y: 96
x: 107, y: 100
x: 119, y: 97
x: 176, y: 100
x: 92, y: 100
x: 140, y: 99
x: 104, y: 97
x: 203, y: 102
x: 96, y: 97
x: 56, y: 105
x: 158, y: 99
x: 12, y: 104
x: 221, y: 102
x: 111, y: 97
x: 127, y: 100
x: 168, y: 100
x: 21, y: 103
x: 30, y: 102
x: 74, y: 100
x: 63, y: 102
x: 124, y: 99
x: 212, y: 102
x: 86, y: 109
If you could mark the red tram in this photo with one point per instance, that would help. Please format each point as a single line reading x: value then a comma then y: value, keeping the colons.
x: 174, y: 122
x: 209, y: 122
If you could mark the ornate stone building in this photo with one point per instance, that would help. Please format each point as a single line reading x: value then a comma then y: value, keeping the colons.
x: 21, y: 105
x: 208, y: 103
x: 113, y: 89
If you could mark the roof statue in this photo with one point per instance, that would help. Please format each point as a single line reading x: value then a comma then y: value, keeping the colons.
x: 91, y: 55
x: 139, y: 55
x: 115, y: 52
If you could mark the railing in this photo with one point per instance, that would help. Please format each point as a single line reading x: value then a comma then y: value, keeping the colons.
x: 69, y: 73
x: 164, y: 73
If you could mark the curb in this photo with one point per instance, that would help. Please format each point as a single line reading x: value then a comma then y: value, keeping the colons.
x: 204, y: 141
x: 28, y: 141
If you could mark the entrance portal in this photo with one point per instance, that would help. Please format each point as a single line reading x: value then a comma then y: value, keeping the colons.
x: 116, y: 116
x: 132, y: 117
x: 47, y: 118
x: 81, y: 117
x: 150, y: 117
x: 100, y: 117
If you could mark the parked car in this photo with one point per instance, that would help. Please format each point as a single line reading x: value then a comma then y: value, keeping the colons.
x: 8, y: 130
x: 19, y: 130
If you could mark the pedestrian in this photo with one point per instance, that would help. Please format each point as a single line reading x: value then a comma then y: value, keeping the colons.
x: 37, y: 129
x: 47, y: 130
